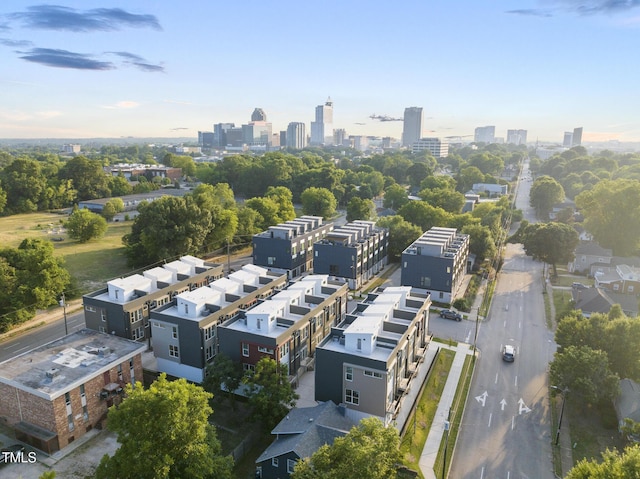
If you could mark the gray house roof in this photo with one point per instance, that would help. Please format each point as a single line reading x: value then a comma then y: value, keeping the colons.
x: 627, y: 403
x: 304, y: 430
x: 592, y: 248
x: 596, y: 300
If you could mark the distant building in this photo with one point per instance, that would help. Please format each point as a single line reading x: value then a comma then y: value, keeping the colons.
x: 491, y: 189
x: 322, y: 127
x: 438, y: 147
x: 148, y: 171
x: 340, y: 136
x: 369, y: 360
x: 185, y: 150
x: 436, y: 262
x: 283, y: 138
x: 131, y: 202
x: 287, y: 326
x: 220, y: 130
x: 485, y: 134
x: 185, y: 337
x: 590, y: 258
x: 567, y: 140
x: 206, y: 139
x: 355, y: 252
x: 257, y: 133
x: 288, y: 247
x: 56, y: 393
x: 576, y: 139
x: 296, y: 135
x: 258, y: 115
x: 517, y: 137
x: 412, y: 126
x: 123, y: 307
x: 359, y: 142
x: 70, y: 148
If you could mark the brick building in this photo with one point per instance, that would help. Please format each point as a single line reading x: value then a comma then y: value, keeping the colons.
x: 54, y: 394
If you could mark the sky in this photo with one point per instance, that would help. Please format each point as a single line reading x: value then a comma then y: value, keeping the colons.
x: 87, y: 69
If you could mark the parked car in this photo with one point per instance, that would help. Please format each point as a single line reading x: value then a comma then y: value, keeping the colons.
x: 14, y: 448
x: 508, y: 353
x: 450, y: 314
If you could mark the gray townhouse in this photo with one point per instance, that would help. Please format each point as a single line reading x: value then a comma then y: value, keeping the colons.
x: 436, y: 262
x: 124, y: 306
x: 185, y: 337
x: 288, y: 326
x: 356, y: 252
x: 369, y: 361
x: 288, y: 247
x: 590, y: 258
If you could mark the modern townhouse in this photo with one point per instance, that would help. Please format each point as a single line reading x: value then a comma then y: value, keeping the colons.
x: 288, y: 326
x: 185, y: 337
x: 437, y: 263
x: 288, y: 247
x: 370, y: 360
x: 56, y: 393
x: 621, y: 278
x: 123, y: 307
x: 356, y: 252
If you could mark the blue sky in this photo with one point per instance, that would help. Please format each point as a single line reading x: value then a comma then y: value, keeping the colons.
x: 82, y: 69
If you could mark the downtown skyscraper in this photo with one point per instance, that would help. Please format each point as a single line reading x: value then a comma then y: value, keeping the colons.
x: 322, y: 128
x: 412, y: 127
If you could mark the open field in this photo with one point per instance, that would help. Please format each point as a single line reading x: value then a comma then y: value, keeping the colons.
x: 91, y: 264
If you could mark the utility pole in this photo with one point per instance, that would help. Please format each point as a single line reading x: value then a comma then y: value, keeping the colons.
x: 63, y: 303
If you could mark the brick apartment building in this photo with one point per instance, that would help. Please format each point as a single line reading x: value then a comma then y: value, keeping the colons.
x: 56, y: 393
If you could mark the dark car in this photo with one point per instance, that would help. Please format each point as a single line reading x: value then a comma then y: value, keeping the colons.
x: 13, y: 449
x: 450, y: 314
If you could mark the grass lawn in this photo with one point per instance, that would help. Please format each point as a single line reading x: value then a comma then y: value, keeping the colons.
x: 412, y: 442
x: 562, y: 301
x: 90, y: 264
x: 568, y: 279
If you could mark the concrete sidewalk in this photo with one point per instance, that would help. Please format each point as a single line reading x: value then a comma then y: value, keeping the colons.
x: 432, y: 444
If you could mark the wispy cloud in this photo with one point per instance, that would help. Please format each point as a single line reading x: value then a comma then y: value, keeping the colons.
x: 64, y: 59
x: 19, y: 116
x: 138, y: 62
x: 7, y: 42
x: 178, y: 102
x: 121, y: 105
x: 531, y: 12
x: 579, y: 7
x: 56, y: 17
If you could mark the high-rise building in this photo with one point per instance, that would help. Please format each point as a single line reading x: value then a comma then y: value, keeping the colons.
x: 258, y: 115
x: 568, y: 139
x: 296, y: 135
x: 485, y: 134
x: 577, y: 137
x: 205, y: 139
x: 339, y: 136
x: 322, y: 128
x: 517, y: 137
x: 220, y: 130
x: 412, y: 127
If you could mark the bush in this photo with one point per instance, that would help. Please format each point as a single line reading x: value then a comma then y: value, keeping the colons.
x: 461, y: 304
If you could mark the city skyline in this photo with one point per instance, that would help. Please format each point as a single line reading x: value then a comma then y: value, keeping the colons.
x: 131, y: 68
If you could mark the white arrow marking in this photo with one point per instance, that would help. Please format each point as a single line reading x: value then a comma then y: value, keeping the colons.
x: 503, y: 403
x: 482, y: 398
x: 522, y: 408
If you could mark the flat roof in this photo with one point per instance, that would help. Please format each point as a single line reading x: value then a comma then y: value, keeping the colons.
x: 52, y: 369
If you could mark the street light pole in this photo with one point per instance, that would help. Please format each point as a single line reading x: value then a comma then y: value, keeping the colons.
x: 564, y: 398
x: 63, y: 303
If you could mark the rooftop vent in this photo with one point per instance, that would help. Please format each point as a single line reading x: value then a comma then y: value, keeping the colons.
x: 104, y: 351
x: 52, y: 373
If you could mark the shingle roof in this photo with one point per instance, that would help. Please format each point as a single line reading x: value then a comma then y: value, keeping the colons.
x: 593, y: 249
x: 628, y: 402
x: 596, y: 300
x: 305, y: 430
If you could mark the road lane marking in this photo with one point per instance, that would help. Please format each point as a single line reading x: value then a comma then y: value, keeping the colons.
x: 482, y: 472
x: 482, y: 398
x: 503, y: 403
x: 513, y: 422
x: 12, y: 346
x: 505, y: 323
x: 508, y: 474
x: 22, y: 349
x: 516, y: 382
x: 490, y: 414
x: 520, y: 325
x: 522, y: 407
x: 496, y: 378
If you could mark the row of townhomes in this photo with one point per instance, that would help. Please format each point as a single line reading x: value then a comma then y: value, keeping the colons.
x: 437, y: 262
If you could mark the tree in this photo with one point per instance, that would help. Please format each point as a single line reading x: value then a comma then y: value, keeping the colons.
x: 89, y: 179
x: 223, y: 376
x: 448, y: 199
x: 112, y: 208
x: 83, y: 225
x: 481, y: 241
x: 552, y: 243
x: 164, y: 432
x: 395, y: 196
x: 3, y: 200
x: 423, y: 214
x: 467, y: 177
x: 270, y: 392
x: 48, y: 475
x: 401, y: 234
x: 611, y: 212
x: 418, y: 172
x: 165, y: 228
x: 283, y: 197
x: 359, y: 209
x: 545, y: 192
x: 585, y: 372
x: 24, y: 184
x: 614, y: 465
x: 120, y: 186
x: 186, y: 163
x: 318, y: 202
x: 369, y: 450
x: 31, y: 278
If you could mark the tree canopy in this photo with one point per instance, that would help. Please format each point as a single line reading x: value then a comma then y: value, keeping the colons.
x: 552, y: 243
x: 614, y: 465
x: 164, y: 432
x: 369, y: 450
x: 545, y: 192
x: 83, y: 225
x: 318, y: 202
